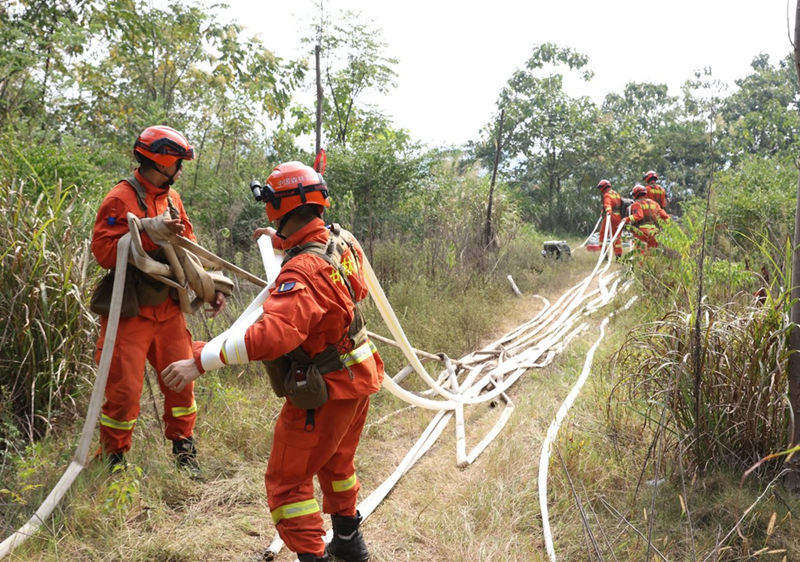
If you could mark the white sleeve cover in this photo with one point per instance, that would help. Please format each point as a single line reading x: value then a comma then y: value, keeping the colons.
x: 231, y: 341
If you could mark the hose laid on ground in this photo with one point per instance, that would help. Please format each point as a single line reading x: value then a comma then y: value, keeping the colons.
x: 128, y: 247
x: 82, y: 452
x: 552, y: 432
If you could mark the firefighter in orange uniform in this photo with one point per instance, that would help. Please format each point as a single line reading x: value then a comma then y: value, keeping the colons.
x: 655, y: 192
x: 612, y: 206
x: 157, y: 331
x: 645, y: 214
x: 311, y: 323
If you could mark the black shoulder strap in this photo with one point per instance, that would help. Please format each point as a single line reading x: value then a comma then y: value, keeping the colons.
x: 328, y: 360
x: 140, y: 192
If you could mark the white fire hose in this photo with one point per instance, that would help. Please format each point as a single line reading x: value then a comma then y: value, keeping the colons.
x: 490, y: 372
x: 161, y: 271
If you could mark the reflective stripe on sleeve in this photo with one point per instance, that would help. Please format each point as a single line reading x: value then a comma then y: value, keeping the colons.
x: 234, y: 351
x: 178, y: 412
x: 297, y: 509
x: 344, y: 485
x: 117, y: 424
x: 359, y: 354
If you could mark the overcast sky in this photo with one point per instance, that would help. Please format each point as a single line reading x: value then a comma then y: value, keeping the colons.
x: 455, y: 55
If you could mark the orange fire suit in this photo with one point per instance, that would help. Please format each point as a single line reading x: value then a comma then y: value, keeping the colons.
x: 310, y: 307
x: 612, y: 206
x: 645, y: 216
x: 657, y: 193
x: 158, y: 334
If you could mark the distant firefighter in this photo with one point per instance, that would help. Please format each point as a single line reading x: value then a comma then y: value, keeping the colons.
x: 654, y: 191
x: 645, y: 215
x: 612, y: 206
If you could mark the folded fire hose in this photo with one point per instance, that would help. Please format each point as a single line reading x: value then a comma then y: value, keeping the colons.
x: 184, y: 273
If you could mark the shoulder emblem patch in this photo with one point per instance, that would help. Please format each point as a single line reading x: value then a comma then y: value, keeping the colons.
x: 286, y: 287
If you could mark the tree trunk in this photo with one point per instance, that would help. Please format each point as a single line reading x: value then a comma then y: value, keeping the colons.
x: 318, y: 143
x: 488, y: 232
x: 793, y: 477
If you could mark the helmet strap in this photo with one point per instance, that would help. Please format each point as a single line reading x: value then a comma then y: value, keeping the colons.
x: 171, y: 178
x: 281, y: 224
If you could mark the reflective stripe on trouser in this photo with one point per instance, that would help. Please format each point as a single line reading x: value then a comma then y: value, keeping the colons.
x: 344, y: 485
x: 126, y: 425
x: 296, y: 509
x: 141, y: 339
x: 327, y: 451
x: 178, y: 412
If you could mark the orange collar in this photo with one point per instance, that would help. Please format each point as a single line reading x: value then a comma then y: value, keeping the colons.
x: 149, y: 187
x: 313, y: 231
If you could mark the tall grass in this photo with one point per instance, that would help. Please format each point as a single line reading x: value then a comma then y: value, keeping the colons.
x: 47, y: 334
x: 744, y: 408
x: 727, y: 404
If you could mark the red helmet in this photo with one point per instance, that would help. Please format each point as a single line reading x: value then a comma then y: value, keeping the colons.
x: 638, y: 191
x: 291, y: 185
x: 163, y: 145
x: 650, y: 175
x: 603, y: 184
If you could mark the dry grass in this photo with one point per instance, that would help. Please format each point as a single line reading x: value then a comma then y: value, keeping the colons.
x: 166, y: 510
x: 488, y: 511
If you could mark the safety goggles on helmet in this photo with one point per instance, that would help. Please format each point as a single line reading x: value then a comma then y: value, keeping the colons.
x: 291, y: 185
x: 603, y: 184
x: 169, y: 147
x: 266, y: 194
x: 163, y: 145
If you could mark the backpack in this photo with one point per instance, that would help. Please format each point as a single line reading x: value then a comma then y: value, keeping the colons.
x: 625, y: 208
x: 297, y: 375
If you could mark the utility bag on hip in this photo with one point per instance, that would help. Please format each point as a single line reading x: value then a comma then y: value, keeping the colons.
x: 101, y: 296
x: 140, y: 290
x: 300, y: 378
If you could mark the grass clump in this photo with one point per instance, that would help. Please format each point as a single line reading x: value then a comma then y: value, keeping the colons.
x: 743, y: 405
x: 45, y: 272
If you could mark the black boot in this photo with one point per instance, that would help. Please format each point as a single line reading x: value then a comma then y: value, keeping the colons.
x: 312, y: 558
x: 186, y: 455
x: 348, y: 542
x: 116, y: 462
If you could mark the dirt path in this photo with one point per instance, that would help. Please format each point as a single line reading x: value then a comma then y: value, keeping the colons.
x: 486, y: 511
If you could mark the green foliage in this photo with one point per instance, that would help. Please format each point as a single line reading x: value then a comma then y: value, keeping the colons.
x: 757, y: 195
x: 554, y: 142
x: 178, y: 65
x: 354, y: 63
x: 371, y: 179
x: 45, y: 274
x: 123, y: 492
x: 546, y: 131
x: 39, y: 39
x: 761, y: 117
x: 743, y: 407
